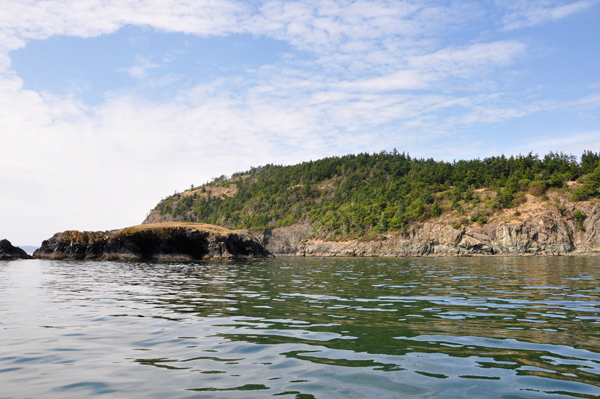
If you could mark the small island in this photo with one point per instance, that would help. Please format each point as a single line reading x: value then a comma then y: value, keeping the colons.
x: 169, y: 241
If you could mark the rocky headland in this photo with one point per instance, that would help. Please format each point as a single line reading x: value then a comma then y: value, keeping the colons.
x: 171, y: 241
x: 549, y: 227
x: 10, y: 252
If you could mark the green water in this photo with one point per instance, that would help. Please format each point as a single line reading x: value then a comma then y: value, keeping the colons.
x: 302, y: 328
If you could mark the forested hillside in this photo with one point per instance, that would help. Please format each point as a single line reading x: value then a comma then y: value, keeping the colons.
x: 370, y: 194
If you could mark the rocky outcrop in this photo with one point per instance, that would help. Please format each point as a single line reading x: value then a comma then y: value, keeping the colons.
x: 9, y: 252
x: 545, y: 233
x: 161, y: 242
x: 286, y: 240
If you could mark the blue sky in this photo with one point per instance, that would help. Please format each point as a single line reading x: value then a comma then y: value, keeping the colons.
x: 155, y: 65
x: 108, y: 106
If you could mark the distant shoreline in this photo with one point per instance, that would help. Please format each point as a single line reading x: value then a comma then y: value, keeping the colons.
x: 30, y: 249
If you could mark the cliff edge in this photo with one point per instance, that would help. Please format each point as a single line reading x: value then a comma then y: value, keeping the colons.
x: 171, y: 241
x: 540, y: 228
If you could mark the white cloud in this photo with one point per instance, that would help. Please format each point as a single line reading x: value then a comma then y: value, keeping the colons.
x: 462, y: 61
x: 529, y: 13
x: 31, y: 19
x: 422, y: 71
x: 591, y: 102
x: 140, y: 70
x: 105, y: 167
x: 401, y: 80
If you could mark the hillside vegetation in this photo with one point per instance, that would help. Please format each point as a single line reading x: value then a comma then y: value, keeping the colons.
x: 367, y: 195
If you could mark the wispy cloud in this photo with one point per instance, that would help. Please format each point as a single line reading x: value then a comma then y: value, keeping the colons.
x: 462, y: 61
x: 140, y: 70
x: 401, y: 80
x: 529, y: 13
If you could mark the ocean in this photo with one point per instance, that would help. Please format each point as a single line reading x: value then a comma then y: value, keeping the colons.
x: 489, y: 327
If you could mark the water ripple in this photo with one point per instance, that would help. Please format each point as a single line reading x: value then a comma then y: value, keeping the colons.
x: 301, y: 328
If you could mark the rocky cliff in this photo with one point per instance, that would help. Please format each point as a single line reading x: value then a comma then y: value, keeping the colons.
x: 161, y: 242
x: 9, y: 252
x: 543, y: 228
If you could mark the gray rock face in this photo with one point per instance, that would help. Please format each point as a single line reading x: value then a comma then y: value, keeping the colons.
x: 286, y: 240
x: 9, y: 252
x: 547, y: 233
x: 162, y: 242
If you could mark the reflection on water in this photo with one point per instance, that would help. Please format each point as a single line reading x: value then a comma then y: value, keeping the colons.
x: 302, y: 328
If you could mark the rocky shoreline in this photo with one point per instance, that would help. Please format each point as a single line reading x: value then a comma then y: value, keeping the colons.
x: 10, y: 252
x: 548, y: 233
x: 552, y: 229
x: 155, y: 242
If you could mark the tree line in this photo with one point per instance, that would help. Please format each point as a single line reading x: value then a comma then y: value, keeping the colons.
x: 353, y: 195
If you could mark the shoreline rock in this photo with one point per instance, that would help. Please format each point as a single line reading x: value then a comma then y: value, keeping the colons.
x: 545, y: 234
x: 170, y: 241
x: 10, y: 252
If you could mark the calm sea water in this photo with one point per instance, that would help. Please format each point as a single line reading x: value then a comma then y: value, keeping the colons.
x: 302, y: 328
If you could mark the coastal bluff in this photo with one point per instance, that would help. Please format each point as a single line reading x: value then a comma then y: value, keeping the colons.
x: 391, y: 204
x: 545, y: 228
x: 170, y: 241
x: 10, y: 252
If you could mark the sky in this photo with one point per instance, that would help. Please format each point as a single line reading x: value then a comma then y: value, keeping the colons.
x: 108, y: 106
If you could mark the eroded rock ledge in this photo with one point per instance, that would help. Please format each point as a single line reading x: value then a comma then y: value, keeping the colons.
x: 10, y: 252
x: 171, y: 241
x: 545, y: 233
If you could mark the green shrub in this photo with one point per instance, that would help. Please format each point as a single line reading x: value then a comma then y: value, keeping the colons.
x: 590, y: 186
x: 580, y: 194
x: 519, y: 199
x: 468, y: 195
x: 537, y: 188
x: 436, y: 210
x: 580, y: 216
x: 524, y: 184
